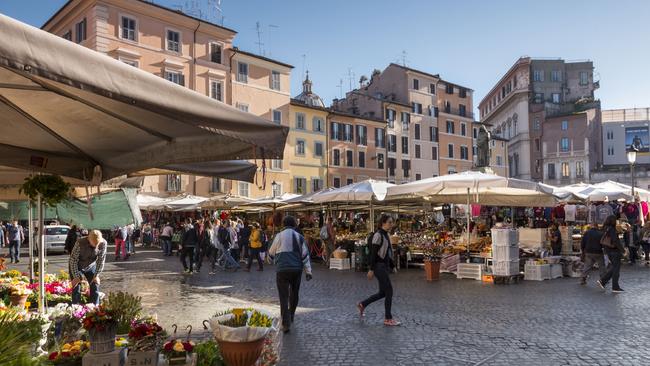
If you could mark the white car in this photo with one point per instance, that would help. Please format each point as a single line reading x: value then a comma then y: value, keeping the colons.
x: 54, y: 237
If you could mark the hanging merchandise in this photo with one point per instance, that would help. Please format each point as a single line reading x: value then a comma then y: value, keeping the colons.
x: 570, y: 213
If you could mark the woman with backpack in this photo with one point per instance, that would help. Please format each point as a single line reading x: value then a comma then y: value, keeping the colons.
x: 614, y: 250
x: 328, y: 236
x: 380, y: 264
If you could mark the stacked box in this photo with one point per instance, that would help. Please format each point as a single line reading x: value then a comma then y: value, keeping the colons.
x: 505, y: 252
x: 537, y: 272
x: 470, y: 270
x: 556, y: 270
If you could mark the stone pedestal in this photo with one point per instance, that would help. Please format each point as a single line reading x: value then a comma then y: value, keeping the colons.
x: 115, y: 358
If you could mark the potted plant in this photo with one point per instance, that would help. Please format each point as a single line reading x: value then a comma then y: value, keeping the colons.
x: 67, y: 320
x: 208, y: 354
x: 177, y: 352
x: 145, y: 339
x: 18, y: 295
x: 101, y: 326
x: 51, y: 188
x: 241, y: 334
x: 125, y: 308
x: 70, y: 354
x: 432, y: 256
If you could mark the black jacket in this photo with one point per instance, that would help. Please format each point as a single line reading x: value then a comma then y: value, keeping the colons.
x: 245, y: 236
x: 70, y: 240
x: 224, y: 237
x: 375, y: 246
x: 191, y: 237
x: 591, y: 242
x: 611, y: 231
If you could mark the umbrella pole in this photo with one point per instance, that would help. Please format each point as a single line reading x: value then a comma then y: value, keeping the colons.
x: 372, y: 217
x: 273, y: 219
x: 30, y: 232
x: 468, y: 213
x: 41, y: 259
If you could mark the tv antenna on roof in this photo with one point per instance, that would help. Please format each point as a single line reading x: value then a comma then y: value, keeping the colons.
x: 350, y: 76
x: 259, y: 42
x: 340, y: 86
x: 404, y: 60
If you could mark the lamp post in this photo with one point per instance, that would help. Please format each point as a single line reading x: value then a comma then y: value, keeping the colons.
x: 274, y: 186
x: 631, y: 158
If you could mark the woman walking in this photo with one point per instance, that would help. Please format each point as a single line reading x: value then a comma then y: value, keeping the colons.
x: 255, y: 246
x: 614, y: 250
x: 381, y: 264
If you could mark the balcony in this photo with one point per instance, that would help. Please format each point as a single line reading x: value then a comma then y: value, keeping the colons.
x: 457, y: 112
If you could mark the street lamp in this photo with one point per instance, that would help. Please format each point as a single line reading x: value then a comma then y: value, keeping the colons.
x: 274, y: 186
x: 631, y: 158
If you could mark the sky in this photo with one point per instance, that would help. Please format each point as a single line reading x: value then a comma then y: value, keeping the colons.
x: 468, y: 42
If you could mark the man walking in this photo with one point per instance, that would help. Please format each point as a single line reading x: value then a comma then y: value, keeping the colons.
x: 120, y: 235
x: 592, y: 252
x: 15, y: 237
x: 291, y: 257
x: 614, y: 250
x: 166, y: 239
x: 189, y: 243
x: 87, y: 260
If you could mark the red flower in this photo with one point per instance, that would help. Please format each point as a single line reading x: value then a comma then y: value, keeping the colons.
x: 169, y: 346
x: 188, y: 347
x: 53, y: 355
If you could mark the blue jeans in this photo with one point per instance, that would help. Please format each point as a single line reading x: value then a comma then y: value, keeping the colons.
x: 230, y: 261
x: 89, y: 273
x: 129, y: 246
x: 14, y: 250
x: 166, y: 246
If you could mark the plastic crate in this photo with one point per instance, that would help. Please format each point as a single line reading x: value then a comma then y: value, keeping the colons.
x: 533, y: 272
x: 336, y: 263
x: 505, y: 237
x: 556, y: 271
x: 505, y: 253
x: 505, y: 268
x: 469, y: 270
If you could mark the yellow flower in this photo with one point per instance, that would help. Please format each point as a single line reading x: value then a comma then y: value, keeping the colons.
x: 66, y: 348
x: 75, y: 348
x: 77, y: 343
x: 178, y: 347
x: 87, y: 344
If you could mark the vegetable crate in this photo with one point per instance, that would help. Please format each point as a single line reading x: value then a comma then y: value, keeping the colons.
x: 473, y: 271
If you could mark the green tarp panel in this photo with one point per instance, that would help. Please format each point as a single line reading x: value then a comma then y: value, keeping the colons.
x: 109, y: 209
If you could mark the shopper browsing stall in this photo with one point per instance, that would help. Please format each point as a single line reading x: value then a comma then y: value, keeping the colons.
x: 592, y: 252
x: 87, y: 260
x: 614, y: 250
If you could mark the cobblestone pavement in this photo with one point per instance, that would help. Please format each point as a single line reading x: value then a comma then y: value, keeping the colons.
x: 448, y: 322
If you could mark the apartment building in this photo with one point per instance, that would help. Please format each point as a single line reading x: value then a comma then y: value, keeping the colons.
x: 526, y: 104
x: 308, y: 135
x: 190, y: 52
x: 411, y: 102
x: 357, y: 150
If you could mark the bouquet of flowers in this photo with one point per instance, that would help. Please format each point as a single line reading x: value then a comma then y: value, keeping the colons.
x: 146, y: 335
x: 98, y: 319
x: 70, y: 354
x: 19, y: 289
x: 177, y: 349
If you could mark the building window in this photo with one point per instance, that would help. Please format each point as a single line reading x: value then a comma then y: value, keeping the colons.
x: 243, y: 189
x: 317, y: 124
x: 276, y: 164
x: 538, y: 75
x: 416, y: 84
x: 551, y: 171
x: 349, y: 181
x: 499, y: 162
x: 242, y: 107
x: 433, y: 132
x: 133, y: 63
x: 449, y: 89
x: 464, y: 153
x: 67, y: 35
x: 564, y: 144
x: 539, y: 98
x: 463, y: 129
x: 418, y: 152
x: 379, y: 137
x: 242, y: 72
x: 173, y: 182
x: 584, y: 78
x: 432, y: 88
x: 416, y: 108
x: 392, y: 143
x: 462, y: 110
x: 406, y: 167
x: 380, y: 161
x: 406, y: 119
x: 276, y: 190
x: 405, y: 145
x: 537, y: 125
x: 215, y: 185
x: 216, y: 90
x: 580, y: 169
x: 173, y: 41
x: 175, y: 77
x: 349, y: 158
x: 299, y: 185
x: 318, y: 149
x: 450, y: 127
x: 275, y: 80
x: 556, y: 75
x: 337, y: 182
x: 392, y: 165
x: 451, y: 169
x: 334, y: 131
x: 417, y: 131
x: 434, y: 153
x: 475, y: 133
x: 391, y: 114
x: 610, y: 135
x: 300, y: 121
x: 336, y: 157
x: 565, y: 170
x: 565, y: 125
x: 300, y: 147
x: 316, y: 184
x: 610, y: 150
x: 128, y: 29
x: 362, y: 135
x: 418, y: 176
x: 450, y: 149
x: 80, y: 31
x: 215, y: 52
x: 537, y: 145
x: 277, y: 116
x: 362, y: 159
x: 556, y: 98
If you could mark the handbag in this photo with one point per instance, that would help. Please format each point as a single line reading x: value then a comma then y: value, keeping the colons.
x: 606, y: 240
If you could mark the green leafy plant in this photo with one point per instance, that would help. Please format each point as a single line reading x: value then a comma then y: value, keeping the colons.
x: 52, y: 188
x: 17, y: 338
x: 208, y: 354
x: 125, y: 308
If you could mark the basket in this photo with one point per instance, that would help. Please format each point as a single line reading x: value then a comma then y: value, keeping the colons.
x: 102, y: 341
x: 18, y: 300
x: 340, y: 254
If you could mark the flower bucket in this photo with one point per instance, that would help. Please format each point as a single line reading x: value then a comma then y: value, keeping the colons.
x: 102, y: 341
x: 432, y: 269
x: 241, y: 353
x: 18, y: 300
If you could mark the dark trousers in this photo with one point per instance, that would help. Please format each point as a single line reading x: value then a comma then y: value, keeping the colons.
x: 14, y: 250
x: 614, y: 269
x: 235, y: 254
x: 255, y: 254
x: 199, y: 253
x: 646, y: 250
x: 385, y: 290
x: 166, y: 245
x: 288, y: 288
x: 187, y: 252
x: 89, y: 273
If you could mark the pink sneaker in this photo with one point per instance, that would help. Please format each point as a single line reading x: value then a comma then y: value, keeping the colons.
x: 392, y: 323
x: 361, y: 310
